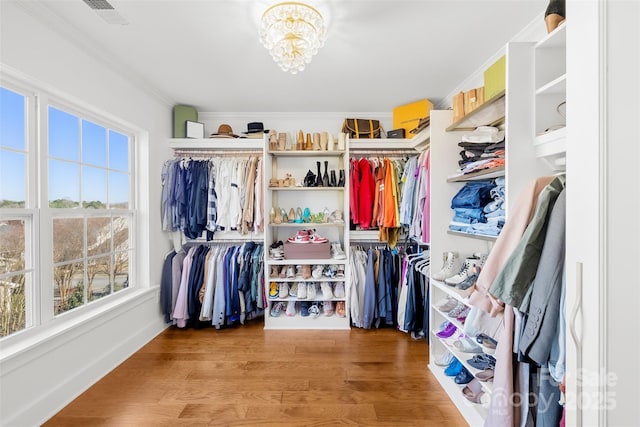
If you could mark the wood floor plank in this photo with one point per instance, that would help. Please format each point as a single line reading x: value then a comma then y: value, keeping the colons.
x: 248, y: 376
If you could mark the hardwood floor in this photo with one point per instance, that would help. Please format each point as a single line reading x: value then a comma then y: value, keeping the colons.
x: 246, y: 376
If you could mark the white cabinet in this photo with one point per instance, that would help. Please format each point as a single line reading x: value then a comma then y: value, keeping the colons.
x: 289, y: 196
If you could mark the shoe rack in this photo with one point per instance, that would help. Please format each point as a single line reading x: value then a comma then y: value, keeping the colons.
x: 287, y: 191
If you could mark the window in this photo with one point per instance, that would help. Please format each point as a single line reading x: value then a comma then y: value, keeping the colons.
x: 74, y: 213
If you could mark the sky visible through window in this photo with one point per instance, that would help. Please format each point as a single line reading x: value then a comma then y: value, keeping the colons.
x: 84, y: 157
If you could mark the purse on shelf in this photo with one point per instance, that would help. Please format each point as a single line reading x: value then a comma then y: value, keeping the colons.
x: 362, y: 128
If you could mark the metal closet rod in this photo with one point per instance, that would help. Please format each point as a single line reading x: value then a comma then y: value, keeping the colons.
x: 209, y: 153
x: 383, y: 153
x: 222, y: 242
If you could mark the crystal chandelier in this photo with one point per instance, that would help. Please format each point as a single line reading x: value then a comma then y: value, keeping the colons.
x: 292, y: 32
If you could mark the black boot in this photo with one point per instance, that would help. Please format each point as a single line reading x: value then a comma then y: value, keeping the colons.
x: 325, y: 177
x: 319, y: 176
x: 341, y: 181
x: 333, y: 181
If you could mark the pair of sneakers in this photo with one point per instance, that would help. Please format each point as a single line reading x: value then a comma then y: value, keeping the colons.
x: 337, y: 252
x: 308, y: 309
x: 307, y: 236
x: 289, y: 307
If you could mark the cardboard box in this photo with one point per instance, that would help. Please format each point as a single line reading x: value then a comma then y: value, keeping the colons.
x: 458, y: 106
x: 495, y: 78
x: 307, y: 250
x: 408, y: 116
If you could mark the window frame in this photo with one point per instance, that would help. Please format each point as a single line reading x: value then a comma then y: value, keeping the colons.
x: 39, y: 316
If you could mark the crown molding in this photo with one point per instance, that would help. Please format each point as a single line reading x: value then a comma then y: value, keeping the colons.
x: 90, y: 46
x: 292, y: 115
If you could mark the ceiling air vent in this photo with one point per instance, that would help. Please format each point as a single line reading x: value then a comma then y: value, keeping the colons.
x: 106, y: 11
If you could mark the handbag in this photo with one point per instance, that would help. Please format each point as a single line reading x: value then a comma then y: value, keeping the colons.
x: 362, y: 128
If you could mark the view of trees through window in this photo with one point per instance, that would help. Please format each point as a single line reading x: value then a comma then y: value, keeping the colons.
x: 88, y: 217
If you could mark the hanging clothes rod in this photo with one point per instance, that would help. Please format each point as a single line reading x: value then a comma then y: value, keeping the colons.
x: 223, y: 242
x: 210, y: 154
x: 383, y: 153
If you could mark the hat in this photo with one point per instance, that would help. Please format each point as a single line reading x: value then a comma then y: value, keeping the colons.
x: 224, y: 131
x: 255, y: 127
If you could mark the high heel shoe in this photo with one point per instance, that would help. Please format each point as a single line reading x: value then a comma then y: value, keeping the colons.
x: 272, y: 216
x: 341, y: 181
x: 300, y: 142
x: 298, y: 216
x: 283, y: 214
x: 309, y: 144
x: 292, y: 215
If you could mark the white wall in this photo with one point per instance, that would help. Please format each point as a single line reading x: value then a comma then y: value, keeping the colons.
x: 40, y: 378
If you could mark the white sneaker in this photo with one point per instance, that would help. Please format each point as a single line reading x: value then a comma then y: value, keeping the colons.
x: 311, y: 290
x: 302, y: 291
x: 337, y: 252
x: 293, y: 290
x: 444, y: 359
x: 283, y: 290
x: 316, y: 273
x: 327, y: 294
x: 338, y: 291
x: 450, y: 266
x: 291, y: 308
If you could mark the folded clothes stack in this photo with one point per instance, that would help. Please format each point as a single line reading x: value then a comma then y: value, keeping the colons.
x: 484, y: 148
x: 479, y: 207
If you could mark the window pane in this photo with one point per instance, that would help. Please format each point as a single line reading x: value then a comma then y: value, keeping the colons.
x: 13, y: 308
x: 94, y: 188
x: 121, y: 270
x: 64, y: 184
x: 118, y: 190
x: 67, y: 239
x: 94, y: 144
x: 68, y: 292
x: 118, y: 151
x: 98, y: 278
x: 98, y: 236
x: 64, y: 141
x: 121, y: 233
x: 12, y: 246
x: 12, y: 179
x: 12, y: 119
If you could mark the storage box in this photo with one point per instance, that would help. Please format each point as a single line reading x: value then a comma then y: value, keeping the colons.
x: 458, y: 106
x: 408, y: 116
x: 182, y: 114
x: 307, y: 250
x: 495, y: 78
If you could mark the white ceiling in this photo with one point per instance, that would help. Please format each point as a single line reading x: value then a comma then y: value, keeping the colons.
x: 378, y: 53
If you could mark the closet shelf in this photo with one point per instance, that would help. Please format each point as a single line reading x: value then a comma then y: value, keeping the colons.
x: 490, y: 173
x: 472, y: 236
x: 303, y: 261
x: 552, y: 143
x: 418, y: 143
x: 463, y: 357
x: 307, y: 153
x: 491, y: 113
x: 451, y: 291
x: 306, y: 188
x: 218, y: 144
x: 555, y: 86
x: 307, y: 225
x: 365, y: 236
x: 474, y: 414
x: 298, y: 322
x: 456, y: 322
x: 556, y: 38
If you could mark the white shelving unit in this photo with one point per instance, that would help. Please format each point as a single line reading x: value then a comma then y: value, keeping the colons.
x: 297, y: 163
x: 550, y: 90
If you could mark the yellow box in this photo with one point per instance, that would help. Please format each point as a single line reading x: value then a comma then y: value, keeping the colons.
x: 408, y: 116
x: 494, y: 78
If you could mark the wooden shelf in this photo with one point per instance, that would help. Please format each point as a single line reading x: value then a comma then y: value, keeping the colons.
x: 491, y: 113
x: 481, y: 174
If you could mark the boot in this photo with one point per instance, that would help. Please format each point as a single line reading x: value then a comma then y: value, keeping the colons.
x: 308, y: 145
x: 332, y: 180
x: 331, y: 143
x: 451, y: 264
x: 325, y: 177
x: 319, y: 176
x: 466, y: 270
x: 300, y: 142
x: 309, y: 179
x: 341, y: 181
x: 342, y: 141
x: 316, y: 141
x: 324, y: 141
x: 273, y: 142
x: 282, y: 141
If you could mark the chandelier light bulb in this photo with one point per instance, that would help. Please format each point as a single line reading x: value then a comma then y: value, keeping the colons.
x: 292, y: 33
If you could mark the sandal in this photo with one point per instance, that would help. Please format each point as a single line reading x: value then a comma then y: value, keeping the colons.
x: 273, y: 182
x: 277, y: 219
